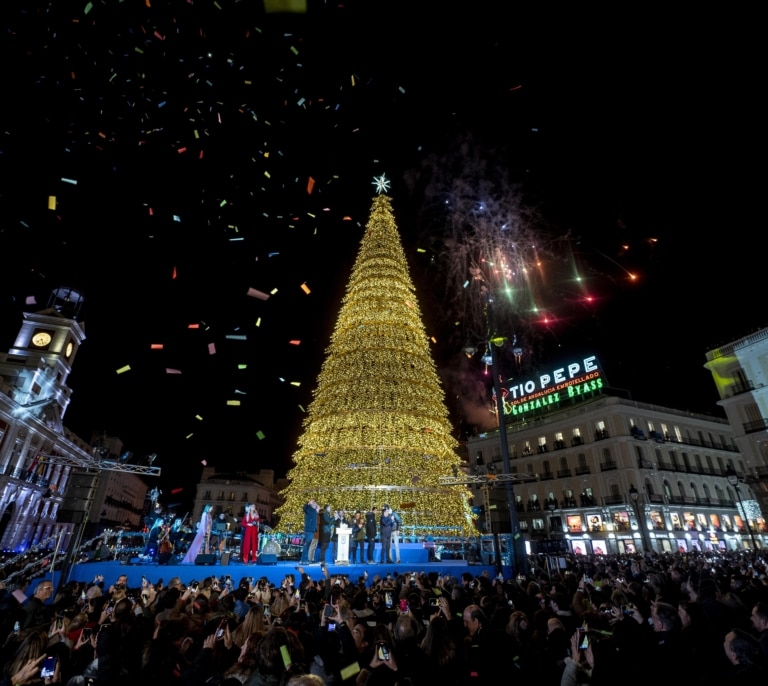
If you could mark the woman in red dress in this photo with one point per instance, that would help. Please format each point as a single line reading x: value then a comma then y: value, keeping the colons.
x: 250, y: 524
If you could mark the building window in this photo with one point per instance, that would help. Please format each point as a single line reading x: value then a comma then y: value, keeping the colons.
x: 232, y: 496
x: 576, y: 437
x: 542, y: 444
x: 600, y: 431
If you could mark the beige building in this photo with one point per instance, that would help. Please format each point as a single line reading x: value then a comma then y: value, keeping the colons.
x: 53, y: 484
x: 604, y: 474
x: 740, y: 372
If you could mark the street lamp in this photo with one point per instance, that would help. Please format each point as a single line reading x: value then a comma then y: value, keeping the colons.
x: 733, y: 479
x: 516, y: 544
x: 635, y: 497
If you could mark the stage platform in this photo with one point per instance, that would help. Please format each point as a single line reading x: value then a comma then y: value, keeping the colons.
x: 275, y: 573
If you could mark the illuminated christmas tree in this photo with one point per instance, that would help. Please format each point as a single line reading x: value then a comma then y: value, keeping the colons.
x: 377, y: 429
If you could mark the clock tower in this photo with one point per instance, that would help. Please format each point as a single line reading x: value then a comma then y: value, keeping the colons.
x: 45, y: 348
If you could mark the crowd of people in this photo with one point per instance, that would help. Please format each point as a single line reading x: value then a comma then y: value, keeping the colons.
x: 697, y: 617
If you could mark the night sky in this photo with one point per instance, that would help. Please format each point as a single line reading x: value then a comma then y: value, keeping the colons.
x: 199, y: 149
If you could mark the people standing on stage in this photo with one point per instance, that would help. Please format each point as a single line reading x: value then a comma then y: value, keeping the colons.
x: 202, y: 537
x: 398, y: 523
x: 385, y: 529
x: 340, y: 520
x: 325, y: 531
x: 310, y: 527
x: 370, y: 533
x: 357, y: 539
x: 250, y: 524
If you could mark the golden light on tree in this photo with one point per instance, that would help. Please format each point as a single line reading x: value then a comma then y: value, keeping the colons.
x: 377, y: 429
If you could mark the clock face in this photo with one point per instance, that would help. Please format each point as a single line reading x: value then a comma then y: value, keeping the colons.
x: 68, y: 350
x: 41, y: 339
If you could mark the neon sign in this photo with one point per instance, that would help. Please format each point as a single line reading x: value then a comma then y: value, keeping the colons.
x: 573, y: 381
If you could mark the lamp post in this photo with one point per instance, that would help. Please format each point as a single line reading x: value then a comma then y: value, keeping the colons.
x: 733, y: 479
x: 635, y: 497
x: 516, y: 543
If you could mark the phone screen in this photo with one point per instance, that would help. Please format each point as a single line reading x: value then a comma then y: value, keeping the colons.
x: 584, y: 643
x: 382, y: 652
x: 49, y: 668
x: 388, y: 600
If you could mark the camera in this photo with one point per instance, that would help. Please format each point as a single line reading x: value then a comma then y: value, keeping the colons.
x: 382, y: 652
x: 49, y: 667
x: 220, y: 630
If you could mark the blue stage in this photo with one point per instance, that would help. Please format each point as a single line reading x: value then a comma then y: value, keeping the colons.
x: 275, y: 573
x: 414, y: 557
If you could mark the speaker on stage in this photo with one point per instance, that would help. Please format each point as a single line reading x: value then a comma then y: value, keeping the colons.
x: 205, y: 559
x: 267, y: 559
x: 225, y: 558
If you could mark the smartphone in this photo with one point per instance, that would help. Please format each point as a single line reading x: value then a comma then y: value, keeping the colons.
x: 434, y: 602
x: 403, y: 605
x: 49, y: 667
x: 220, y: 630
x: 382, y: 652
x: 388, y: 600
x: 87, y: 632
x: 328, y: 611
x: 267, y: 612
x: 331, y: 626
x: 59, y: 623
x: 297, y: 594
x: 584, y: 643
x: 195, y: 586
x: 626, y: 610
x: 16, y: 628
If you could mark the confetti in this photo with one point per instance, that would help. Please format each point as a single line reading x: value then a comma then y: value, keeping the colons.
x: 124, y: 369
x: 254, y: 293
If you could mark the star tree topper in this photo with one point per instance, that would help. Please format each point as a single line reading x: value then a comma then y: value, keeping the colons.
x: 382, y: 184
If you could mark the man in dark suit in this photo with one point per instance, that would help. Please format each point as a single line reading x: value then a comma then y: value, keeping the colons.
x: 371, y: 526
